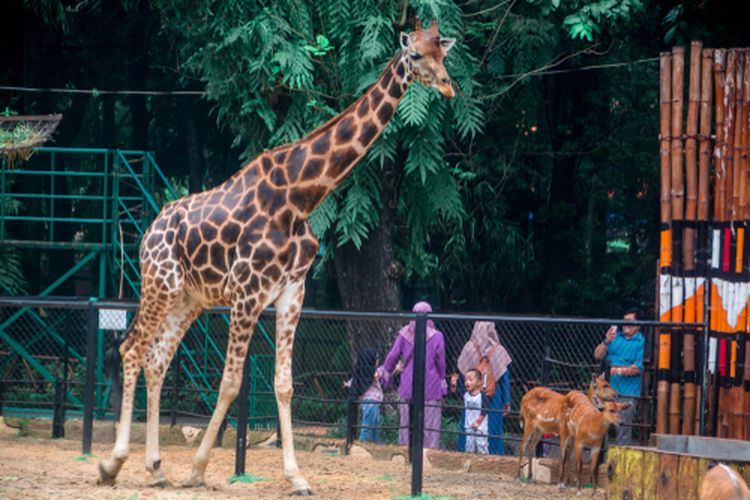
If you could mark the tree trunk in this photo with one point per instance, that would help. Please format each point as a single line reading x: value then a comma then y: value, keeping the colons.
x: 369, y: 278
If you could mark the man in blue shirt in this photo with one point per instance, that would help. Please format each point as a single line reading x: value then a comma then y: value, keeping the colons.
x: 624, y: 351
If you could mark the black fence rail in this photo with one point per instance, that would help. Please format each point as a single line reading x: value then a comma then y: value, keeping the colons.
x: 58, y: 358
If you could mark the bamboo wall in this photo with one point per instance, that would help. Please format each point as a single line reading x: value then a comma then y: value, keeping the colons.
x: 704, y: 265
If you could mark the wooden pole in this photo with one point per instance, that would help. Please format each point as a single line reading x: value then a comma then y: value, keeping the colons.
x: 665, y: 296
x: 714, y: 320
x: 745, y: 238
x: 704, y: 186
x: 678, y: 214
x: 688, y: 239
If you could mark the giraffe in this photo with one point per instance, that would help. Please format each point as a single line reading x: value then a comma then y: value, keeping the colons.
x: 247, y: 244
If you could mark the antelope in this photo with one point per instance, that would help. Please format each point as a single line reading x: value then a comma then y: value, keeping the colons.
x: 587, y: 425
x: 723, y: 483
x: 543, y: 410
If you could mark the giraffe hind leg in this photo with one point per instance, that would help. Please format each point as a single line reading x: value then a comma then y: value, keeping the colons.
x: 156, y: 363
x: 150, y: 315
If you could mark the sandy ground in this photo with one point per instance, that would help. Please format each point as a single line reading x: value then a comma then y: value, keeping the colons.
x: 45, y: 468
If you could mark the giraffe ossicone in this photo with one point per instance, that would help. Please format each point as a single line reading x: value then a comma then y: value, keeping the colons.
x: 246, y: 244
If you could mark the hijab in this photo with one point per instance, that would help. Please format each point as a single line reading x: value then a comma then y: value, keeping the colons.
x: 485, y: 340
x: 408, y: 331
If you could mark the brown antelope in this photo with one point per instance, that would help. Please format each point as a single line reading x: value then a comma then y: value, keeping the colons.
x: 587, y: 425
x: 723, y: 483
x: 543, y: 410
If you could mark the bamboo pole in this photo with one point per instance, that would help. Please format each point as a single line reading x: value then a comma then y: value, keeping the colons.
x: 678, y: 214
x: 665, y: 297
x: 688, y: 239
x: 704, y: 154
x: 744, y: 259
x: 714, y: 394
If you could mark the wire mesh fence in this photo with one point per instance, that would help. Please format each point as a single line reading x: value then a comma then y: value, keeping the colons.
x: 43, y: 361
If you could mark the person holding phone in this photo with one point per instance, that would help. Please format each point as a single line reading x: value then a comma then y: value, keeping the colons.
x: 623, y: 349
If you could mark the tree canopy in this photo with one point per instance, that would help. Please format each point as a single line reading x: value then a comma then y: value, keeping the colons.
x: 534, y: 190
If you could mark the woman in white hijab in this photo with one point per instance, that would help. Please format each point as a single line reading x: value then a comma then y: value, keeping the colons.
x: 484, y: 343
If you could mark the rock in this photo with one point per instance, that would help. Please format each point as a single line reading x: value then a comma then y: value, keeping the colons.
x: 359, y: 452
x: 398, y: 459
x: 191, y: 434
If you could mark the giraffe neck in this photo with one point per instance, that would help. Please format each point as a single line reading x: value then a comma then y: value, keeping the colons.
x: 318, y: 163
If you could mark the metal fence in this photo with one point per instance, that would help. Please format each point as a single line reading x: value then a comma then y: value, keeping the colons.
x: 45, y: 346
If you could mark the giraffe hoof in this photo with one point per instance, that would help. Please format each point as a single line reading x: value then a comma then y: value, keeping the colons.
x: 302, y: 492
x: 193, y: 482
x: 105, y: 477
x: 162, y: 482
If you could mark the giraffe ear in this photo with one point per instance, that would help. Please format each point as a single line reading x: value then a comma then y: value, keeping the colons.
x: 405, y: 40
x: 447, y: 43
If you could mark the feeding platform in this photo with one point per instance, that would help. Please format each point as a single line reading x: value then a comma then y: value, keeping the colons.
x: 673, y: 468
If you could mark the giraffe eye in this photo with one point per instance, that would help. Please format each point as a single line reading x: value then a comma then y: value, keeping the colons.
x: 415, y: 56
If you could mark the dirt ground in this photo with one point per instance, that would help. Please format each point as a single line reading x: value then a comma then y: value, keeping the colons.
x: 46, y: 468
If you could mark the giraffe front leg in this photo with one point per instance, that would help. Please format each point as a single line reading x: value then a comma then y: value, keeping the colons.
x: 288, y: 308
x: 240, y: 331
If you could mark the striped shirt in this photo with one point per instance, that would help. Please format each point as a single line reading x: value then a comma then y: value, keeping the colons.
x: 625, y: 351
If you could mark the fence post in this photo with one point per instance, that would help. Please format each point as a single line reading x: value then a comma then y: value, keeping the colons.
x: 58, y: 418
x: 704, y: 367
x: 241, y: 448
x: 351, y: 422
x: 89, y: 388
x: 539, y: 452
x: 417, y: 405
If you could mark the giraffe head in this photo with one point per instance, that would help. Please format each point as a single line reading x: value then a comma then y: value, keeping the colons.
x: 426, y: 51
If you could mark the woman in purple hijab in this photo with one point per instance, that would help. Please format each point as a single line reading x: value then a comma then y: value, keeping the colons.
x: 435, y: 386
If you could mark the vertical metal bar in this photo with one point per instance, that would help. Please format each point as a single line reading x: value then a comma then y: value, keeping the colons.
x: 545, y: 380
x: 241, y: 449
x: 417, y: 405
x: 52, y: 199
x: 3, y: 197
x: 92, y: 325
x: 100, y: 380
x: 351, y: 423
x: 704, y: 379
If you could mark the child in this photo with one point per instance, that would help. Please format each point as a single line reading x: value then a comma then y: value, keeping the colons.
x: 475, y: 404
x: 365, y: 386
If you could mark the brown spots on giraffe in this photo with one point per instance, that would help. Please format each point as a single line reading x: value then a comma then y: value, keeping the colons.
x: 364, y: 106
x: 385, y: 112
x: 276, y: 235
x: 160, y: 224
x: 246, y: 209
x: 273, y: 273
x: 308, y: 250
x: 313, y: 168
x: 286, y: 257
x: 396, y: 90
x: 367, y: 134
x: 218, y: 216
x: 322, y: 144
x: 400, y: 70
x: 169, y: 237
x: 218, y: 260
x: 270, y: 199
x: 345, y: 130
x: 266, y: 164
x: 308, y: 198
x: 262, y: 254
x: 193, y: 240
x: 280, y: 156
x: 208, y: 231
x: 229, y: 233
x: 376, y: 96
x: 340, y: 160
x: 211, y: 276
x: 277, y: 177
x: 252, y: 232
x: 294, y: 164
x: 215, y: 197
x: 385, y: 82
x: 241, y: 272
x: 194, y: 217
x: 200, y: 258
